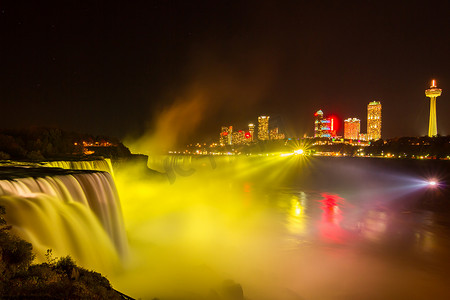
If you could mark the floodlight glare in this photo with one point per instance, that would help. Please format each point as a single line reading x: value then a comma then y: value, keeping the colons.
x: 432, y: 182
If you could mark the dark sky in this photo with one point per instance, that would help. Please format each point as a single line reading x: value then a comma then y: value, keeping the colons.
x: 113, y: 67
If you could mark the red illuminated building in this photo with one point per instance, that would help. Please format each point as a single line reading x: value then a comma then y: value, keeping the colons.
x: 324, y: 126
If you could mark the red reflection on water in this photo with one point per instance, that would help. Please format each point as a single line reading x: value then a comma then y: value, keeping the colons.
x: 329, y: 226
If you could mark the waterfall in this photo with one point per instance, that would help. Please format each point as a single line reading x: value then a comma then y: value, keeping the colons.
x: 76, y: 214
x: 98, y: 165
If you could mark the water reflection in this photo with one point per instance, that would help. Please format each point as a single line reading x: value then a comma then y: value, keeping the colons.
x: 374, y: 225
x: 329, y: 226
x: 297, y: 218
x: 411, y: 232
x: 332, y: 220
x: 425, y: 238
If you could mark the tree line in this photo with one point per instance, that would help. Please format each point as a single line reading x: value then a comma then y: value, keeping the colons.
x: 55, y: 279
x: 37, y: 143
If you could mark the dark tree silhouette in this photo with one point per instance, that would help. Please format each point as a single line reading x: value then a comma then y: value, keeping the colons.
x: 56, y: 279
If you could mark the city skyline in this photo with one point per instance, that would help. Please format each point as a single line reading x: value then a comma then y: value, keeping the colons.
x: 324, y: 127
x: 125, y: 70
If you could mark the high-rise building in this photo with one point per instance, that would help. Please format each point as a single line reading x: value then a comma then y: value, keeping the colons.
x: 352, y: 127
x: 374, y: 121
x: 323, y: 127
x: 433, y: 92
x: 251, y: 130
x: 318, y: 118
x: 275, y: 135
x: 230, y: 135
x: 226, y: 135
x: 238, y: 137
x: 263, y: 128
x: 223, y: 140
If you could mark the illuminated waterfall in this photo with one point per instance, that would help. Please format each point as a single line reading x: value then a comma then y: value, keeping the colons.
x: 74, y: 214
x: 97, y: 165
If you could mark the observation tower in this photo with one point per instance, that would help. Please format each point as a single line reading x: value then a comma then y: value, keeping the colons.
x: 433, y: 92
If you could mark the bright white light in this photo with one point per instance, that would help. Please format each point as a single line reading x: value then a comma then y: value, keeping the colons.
x: 286, y: 154
x: 299, y: 151
x: 432, y: 182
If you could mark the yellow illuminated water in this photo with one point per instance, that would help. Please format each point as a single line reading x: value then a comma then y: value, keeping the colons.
x: 251, y: 220
x: 71, y: 214
x: 276, y: 226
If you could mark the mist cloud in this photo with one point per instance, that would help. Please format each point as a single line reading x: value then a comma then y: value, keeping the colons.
x: 215, y: 94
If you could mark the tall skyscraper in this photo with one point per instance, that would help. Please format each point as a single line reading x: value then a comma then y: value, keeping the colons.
x: 352, y: 127
x: 263, y: 128
x: 318, y: 118
x: 230, y: 135
x: 323, y: 127
x: 251, y: 130
x: 374, y: 121
x: 433, y: 92
x: 238, y: 137
x: 226, y: 135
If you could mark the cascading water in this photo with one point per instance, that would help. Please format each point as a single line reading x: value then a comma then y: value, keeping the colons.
x: 98, y: 165
x: 75, y: 214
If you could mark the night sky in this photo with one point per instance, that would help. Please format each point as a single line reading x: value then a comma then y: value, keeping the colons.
x: 113, y: 67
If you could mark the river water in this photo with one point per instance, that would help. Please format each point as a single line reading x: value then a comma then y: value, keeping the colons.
x: 286, y: 228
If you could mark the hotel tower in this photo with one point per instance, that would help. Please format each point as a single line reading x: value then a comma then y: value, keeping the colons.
x: 374, y: 121
x: 263, y: 128
x: 352, y: 128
